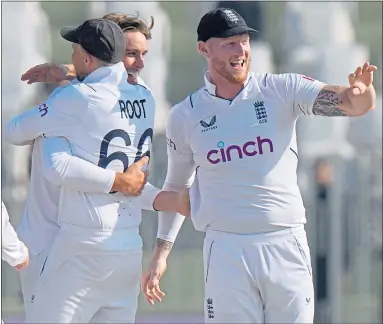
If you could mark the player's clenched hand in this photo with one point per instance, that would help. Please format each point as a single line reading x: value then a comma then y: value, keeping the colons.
x: 47, y: 73
x: 133, y: 180
x: 150, y: 280
x: 24, y: 264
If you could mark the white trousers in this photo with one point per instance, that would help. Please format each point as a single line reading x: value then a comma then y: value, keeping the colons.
x: 29, y: 277
x: 260, y: 278
x: 79, y: 286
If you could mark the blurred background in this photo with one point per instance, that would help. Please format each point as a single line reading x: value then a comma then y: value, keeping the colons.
x: 340, y: 170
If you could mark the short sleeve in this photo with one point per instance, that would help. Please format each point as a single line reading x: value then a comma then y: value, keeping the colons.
x: 298, y: 92
x: 304, y: 92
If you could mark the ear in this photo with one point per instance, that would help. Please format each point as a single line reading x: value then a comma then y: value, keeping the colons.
x: 87, y: 58
x: 202, y: 49
x: 90, y: 60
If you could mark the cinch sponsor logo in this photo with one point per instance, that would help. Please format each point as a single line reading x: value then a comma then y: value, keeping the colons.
x: 250, y: 148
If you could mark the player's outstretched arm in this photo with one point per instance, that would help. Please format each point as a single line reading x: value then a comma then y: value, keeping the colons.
x: 180, y: 174
x: 63, y: 169
x: 54, y: 117
x: 180, y: 168
x: 50, y: 73
x: 13, y: 251
x: 355, y: 100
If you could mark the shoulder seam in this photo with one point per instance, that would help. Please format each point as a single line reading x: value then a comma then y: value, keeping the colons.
x: 190, y: 96
x: 90, y: 87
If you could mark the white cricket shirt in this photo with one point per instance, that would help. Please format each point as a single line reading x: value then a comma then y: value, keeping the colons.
x: 244, y: 152
x: 107, y: 122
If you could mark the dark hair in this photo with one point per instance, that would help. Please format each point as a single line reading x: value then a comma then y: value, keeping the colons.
x: 132, y: 23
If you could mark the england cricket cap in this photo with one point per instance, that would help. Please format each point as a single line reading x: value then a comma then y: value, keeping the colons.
x: 222, y: 23
x: 101, y: 38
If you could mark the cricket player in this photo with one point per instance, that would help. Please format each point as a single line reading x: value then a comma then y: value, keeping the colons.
x: 93, y: 268
x: 237, y: 133
x: 50, y: 169
x: 52, y: 157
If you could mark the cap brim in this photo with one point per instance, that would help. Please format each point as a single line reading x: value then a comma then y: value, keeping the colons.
x: 237, y: 30
x: 70, y: 34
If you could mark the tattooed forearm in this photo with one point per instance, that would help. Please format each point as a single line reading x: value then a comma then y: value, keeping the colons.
x: 327, y: 103
x: 164, y: 245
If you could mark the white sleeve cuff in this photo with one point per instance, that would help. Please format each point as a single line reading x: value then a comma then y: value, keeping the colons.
x: 147, y: 197
x: 169, y: 225
x: 109, y: 184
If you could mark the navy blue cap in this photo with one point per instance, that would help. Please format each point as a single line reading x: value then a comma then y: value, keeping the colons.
x: 222, y: 23
x: 102, y: 38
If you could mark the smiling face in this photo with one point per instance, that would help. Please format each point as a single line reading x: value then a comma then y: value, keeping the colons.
x: 137, y: 33
x: 228, y: 57
x: 136, y: 49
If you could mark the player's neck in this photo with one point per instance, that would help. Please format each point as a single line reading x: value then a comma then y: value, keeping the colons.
x: 224, y: 88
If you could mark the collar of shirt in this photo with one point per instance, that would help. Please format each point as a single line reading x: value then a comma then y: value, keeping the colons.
x: 141, y: 82
x: 111, y: 74
x: 211, y: 88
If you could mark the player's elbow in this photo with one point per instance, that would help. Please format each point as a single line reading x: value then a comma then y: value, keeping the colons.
x: 53, y: 176
x: 12, y: 135
x: 169, y: 186
x: 56, y: 169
